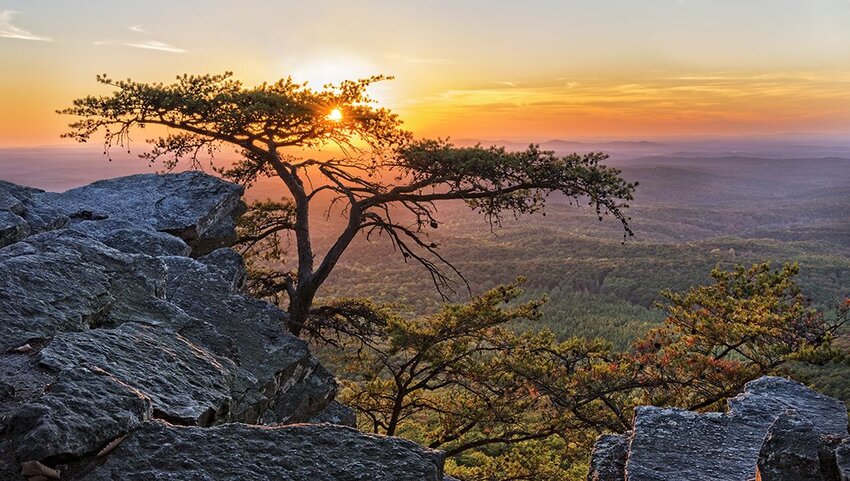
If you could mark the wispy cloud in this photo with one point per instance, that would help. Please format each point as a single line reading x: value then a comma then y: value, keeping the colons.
x: 156, y: 45
x: 670, y: 102
x: 146, y: 45
x: 7, y: 30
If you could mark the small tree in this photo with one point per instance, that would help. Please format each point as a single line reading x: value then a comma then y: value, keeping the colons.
x: 380, y: 174
x: 462, y: 380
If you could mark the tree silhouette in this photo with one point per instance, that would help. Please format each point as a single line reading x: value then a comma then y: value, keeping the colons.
x: 386, y: 181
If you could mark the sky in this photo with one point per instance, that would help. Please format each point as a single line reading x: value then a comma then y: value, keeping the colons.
x: 530, y: 70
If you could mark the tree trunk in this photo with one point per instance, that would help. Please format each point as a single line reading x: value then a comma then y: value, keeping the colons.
x: 299, y: 308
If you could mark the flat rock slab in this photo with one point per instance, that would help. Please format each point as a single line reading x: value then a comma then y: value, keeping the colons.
x: 78, y: 415
x: 197, y: 207
x: 126, y: 237
x: 160, y: 452
x: 769, y: 396
x: 676, y: 444
x: 66, y: 281
x: 186, y: 384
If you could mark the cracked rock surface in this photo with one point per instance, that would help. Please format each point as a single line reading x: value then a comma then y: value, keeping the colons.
x: 159, y: 452
x: 123, y: 323
x: 198, y: 208
x: 776, y: 427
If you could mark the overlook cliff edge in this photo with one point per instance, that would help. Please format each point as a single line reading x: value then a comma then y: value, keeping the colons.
x: 129, y: 350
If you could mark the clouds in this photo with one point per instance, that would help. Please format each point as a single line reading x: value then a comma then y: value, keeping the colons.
x: 156, y: 45
x: 146, y: 44
x: 7, y: 30
x: 686, y: 103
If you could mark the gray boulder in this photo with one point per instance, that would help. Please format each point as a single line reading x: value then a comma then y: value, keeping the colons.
x: 185, y: 384
x: 768, y: 397
x: 252, y: 334
x: 63, y: 280
x: 791, y: 450
x: 159, y: 452
x: 305, y: 399
x: 22, y: 213
x: 126, y: 237
x: 336, y: 413
x: 674, y: 444
x: 78, y: 415
x: 199, y: 208
x: 197, y: 298
x: 608, y: 459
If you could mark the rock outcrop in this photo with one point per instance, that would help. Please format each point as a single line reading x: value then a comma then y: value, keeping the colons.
x: 129, y: 351
x: 23, y: 213
x: 608, y: 459
x: 300, y: 452
x: 776, y: 429
x: 791, y: 450
x: 197, y: 208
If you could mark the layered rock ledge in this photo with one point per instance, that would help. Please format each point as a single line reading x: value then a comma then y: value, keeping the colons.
x: 775, y: 430
x: 129, y: 351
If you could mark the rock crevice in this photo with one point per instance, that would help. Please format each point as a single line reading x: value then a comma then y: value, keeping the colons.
x: 776, y: 429
x: 124, y: 331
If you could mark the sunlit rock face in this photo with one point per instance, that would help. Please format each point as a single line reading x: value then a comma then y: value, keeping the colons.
x: 123, y: 323
x: 199, y: 209
x: 776, y: 428
x: 132, y: 213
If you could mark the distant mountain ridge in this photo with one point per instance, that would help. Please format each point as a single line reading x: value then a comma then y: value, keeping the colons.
x: 781, y: 148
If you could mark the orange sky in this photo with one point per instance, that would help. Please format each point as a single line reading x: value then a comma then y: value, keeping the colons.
x: 473, y: 69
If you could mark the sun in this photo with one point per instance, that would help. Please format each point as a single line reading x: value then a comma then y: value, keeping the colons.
x: 335, y: 115
x: 333, y: 68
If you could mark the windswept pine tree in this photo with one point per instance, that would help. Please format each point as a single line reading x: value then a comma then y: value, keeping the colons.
x: 381, y: 177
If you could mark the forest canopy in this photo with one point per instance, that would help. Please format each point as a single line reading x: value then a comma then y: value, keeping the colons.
x: 465, y: 380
